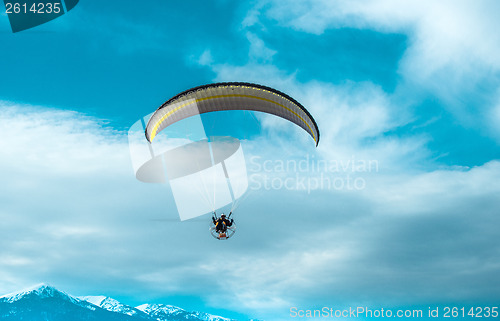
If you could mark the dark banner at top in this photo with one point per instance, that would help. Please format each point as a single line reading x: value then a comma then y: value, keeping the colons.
x: 26, y: 14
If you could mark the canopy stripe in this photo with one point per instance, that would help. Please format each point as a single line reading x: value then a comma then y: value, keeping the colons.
x: 230, y: 96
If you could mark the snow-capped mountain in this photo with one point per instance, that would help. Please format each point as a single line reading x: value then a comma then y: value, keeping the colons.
x: 39, y: 290
x: 46, y: 303
x: 167, y: 312
x: 110, y: 304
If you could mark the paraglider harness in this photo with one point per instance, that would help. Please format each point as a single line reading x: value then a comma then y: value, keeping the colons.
x: 222, y: 228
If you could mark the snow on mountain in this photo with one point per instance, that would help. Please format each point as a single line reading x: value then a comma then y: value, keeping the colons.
x: 40, y: 291
x: 45, y: 303
x: 167, y: 312
x: 159, y: 308
x: 210, y: 317
x: 110, y: 304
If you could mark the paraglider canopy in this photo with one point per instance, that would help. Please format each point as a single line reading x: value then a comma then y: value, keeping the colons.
x: 230, y: 96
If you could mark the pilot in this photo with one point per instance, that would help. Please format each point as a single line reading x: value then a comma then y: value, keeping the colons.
x: 222, y: 223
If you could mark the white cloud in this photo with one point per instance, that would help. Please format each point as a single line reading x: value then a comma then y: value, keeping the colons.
x: 258, y: 49
x: 354, y: 118
x: 73, y: 213
x: 436, y: 191
x: 87, y: 226
x: 67, y: 190
x: 260, y: 283
x: 415, y: 228
x: 206, y: 58
x: 452, y: 50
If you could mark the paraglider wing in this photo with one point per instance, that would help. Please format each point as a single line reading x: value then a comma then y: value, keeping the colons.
x: 230, y: 96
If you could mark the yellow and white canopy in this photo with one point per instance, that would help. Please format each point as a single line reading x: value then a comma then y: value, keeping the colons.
x: 230, y: 96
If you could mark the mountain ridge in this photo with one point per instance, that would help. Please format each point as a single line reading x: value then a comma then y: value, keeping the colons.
x: 43, y: 302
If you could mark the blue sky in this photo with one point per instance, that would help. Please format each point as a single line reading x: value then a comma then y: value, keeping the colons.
x: 414, y: 86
